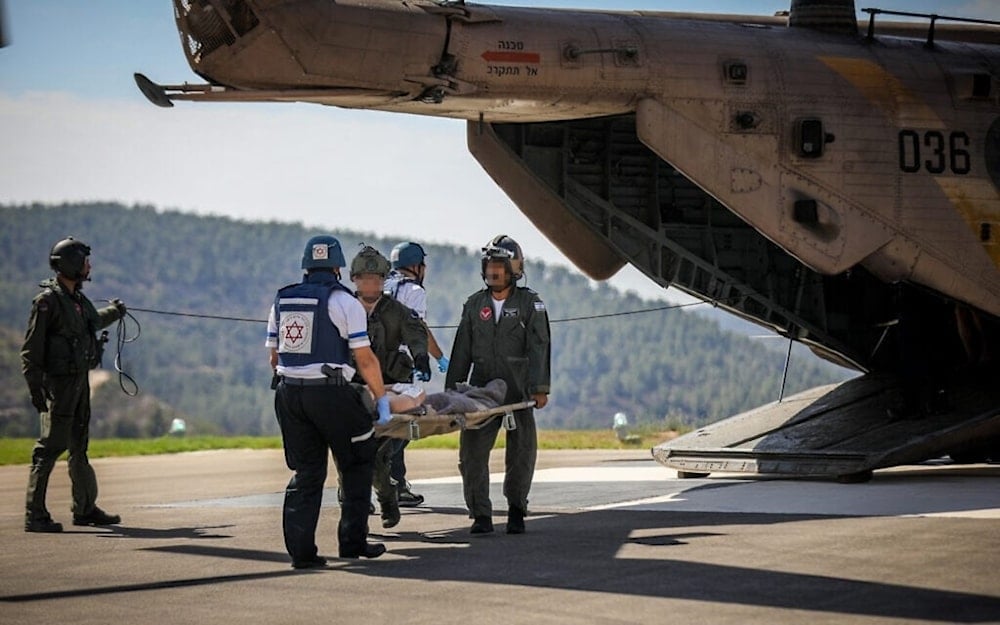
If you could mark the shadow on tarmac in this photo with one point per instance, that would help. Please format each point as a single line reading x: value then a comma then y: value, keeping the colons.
x: 610, y: 551
x: 146, y: 586
x: 594, y: 551
x: 151, y: 533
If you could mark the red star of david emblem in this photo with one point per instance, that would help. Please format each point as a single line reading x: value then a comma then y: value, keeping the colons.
x: 297, y: 335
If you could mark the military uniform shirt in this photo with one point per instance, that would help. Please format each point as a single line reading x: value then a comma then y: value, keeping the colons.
x: 392, y: 328
x: 513, y: 345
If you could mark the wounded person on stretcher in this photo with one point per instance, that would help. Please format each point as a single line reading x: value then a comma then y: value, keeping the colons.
x: 411, y: 399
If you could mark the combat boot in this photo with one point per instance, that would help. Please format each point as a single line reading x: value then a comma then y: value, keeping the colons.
x: 96, y: 517
x: 515, y: 521
x: 44, y: 525
x: 315, y: 562
x: 408, y: 498
x: 390, y: 510
x: 482, y: 525
x: 370, y: 550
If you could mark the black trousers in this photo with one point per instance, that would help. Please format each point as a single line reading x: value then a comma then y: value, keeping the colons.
x: 314, y: 421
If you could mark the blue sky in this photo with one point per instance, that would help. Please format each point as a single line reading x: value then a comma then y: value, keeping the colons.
x: 76, y: 128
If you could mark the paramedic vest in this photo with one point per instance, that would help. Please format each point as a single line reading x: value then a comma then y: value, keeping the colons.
x: 306, y: 335
x: 394, y: 282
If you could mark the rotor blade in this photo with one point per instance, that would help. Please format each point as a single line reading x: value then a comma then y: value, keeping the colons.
x: 4, y: 40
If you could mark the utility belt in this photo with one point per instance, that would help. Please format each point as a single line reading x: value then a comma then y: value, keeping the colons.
x: 334, y: 377
x: 313, y: 381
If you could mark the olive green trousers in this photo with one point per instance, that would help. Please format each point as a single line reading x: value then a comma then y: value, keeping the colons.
x: 65, y: 426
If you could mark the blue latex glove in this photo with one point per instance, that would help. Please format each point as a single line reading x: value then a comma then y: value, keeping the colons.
x: 443, y: 363
x: 423, y: 376
x: 384, y: 414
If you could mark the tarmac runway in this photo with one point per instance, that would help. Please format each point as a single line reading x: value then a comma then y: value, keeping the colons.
x: 613, y: 537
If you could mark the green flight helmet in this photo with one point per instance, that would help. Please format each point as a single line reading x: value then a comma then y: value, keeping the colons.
x: 369, y: 260
x: 407, y: 254
x: 323, y: 252
x: 68, y: 258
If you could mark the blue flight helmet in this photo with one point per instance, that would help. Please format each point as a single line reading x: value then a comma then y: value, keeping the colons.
x: 323, y: 252
x: 407, y: 254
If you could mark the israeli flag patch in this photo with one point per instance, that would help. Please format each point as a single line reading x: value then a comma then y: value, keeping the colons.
x: 539, y: 306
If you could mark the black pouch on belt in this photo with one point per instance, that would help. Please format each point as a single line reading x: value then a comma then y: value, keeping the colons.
x: 336, y: 374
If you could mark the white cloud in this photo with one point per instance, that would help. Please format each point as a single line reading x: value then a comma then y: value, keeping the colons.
x: 393, y: 175
x: 326, y: 167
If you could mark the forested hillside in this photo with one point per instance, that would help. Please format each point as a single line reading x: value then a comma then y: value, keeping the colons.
x: 171, y: 267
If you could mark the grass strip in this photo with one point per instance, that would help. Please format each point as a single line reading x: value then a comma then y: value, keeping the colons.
x: 18, y: 450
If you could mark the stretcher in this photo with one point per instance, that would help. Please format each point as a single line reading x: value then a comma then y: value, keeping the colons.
x: 414, y: 426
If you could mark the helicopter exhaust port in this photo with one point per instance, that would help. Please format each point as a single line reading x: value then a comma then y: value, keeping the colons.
x: 211, y: 24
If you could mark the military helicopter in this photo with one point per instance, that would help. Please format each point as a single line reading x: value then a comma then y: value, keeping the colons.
x: 833, y: 180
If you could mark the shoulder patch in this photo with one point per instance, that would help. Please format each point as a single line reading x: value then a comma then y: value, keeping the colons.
x: 539, y: 305
x: 45, y: 300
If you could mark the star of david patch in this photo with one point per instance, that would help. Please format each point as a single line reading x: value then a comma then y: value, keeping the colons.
x: 296, y: 332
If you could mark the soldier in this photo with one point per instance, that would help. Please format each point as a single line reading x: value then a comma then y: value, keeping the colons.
x: 503, y: 333
x: 390, y: 325
x: 406, y: 284
x: 60, y: 348
x: 313, y: 331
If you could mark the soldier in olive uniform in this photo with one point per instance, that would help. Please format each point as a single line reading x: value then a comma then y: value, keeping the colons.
x: 503, y: 333
x: 405, y: 283
x: 390, y: 325
x: 60, y: 348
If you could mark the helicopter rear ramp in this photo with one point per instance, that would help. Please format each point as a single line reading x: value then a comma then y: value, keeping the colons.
x: 840, y: 431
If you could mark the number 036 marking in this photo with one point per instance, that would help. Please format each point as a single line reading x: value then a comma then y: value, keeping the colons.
x: 932, y: 151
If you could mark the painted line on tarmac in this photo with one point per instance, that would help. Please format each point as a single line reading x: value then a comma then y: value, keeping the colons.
x: 648, y: 487
x: 895, y: 495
